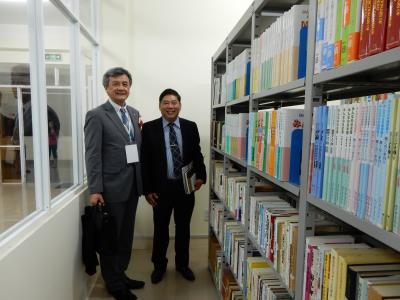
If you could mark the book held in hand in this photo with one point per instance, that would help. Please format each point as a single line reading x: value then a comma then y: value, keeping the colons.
x: 189, y: 178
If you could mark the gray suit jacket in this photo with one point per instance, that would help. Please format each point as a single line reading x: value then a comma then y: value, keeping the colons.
x: 105, y: 138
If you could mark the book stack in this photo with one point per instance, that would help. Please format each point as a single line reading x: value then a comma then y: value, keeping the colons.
x: 234, y: 241
x: 238, y: 76
x: 274, y: 225
x: 229, y: 288
x: 236, y: 128
x: 213, y: 249
x: 355, y: 158
x: 348, y: 30
x: 235, y: 196
x: 216, y: 134
x: 337, y: 268
x: 263, y: 282
x: 280, y: 52
x: 217, y: 217
x: 275, y: 142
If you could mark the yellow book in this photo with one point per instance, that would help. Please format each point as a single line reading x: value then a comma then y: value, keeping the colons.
x: 393, y: 169
x: 253, y: 263
x: 272, y: 146
x: 360, y: 257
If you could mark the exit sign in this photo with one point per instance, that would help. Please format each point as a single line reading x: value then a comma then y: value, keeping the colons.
x: 53, y: 57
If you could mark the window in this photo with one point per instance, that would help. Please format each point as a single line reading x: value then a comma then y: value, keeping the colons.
x: 57, y: 38
x: 56, y: 71
x: 17, y: 190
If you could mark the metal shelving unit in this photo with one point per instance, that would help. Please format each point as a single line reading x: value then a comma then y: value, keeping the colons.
x: 287, y: 186
x: 387, y: 238
x: 375, y: 74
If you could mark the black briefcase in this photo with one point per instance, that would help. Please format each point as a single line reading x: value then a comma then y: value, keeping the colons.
x: 106, y: 230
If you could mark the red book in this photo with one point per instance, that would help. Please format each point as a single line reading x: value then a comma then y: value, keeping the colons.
x: 393, y: 26
x: 377, y: 38
x: 365, y: 27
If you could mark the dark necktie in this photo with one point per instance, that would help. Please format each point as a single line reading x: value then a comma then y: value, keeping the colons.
x: 176, y: 154
x: 125, y: 121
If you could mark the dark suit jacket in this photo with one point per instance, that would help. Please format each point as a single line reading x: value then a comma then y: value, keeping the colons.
x: 105, y: 139
x: 153, y: 156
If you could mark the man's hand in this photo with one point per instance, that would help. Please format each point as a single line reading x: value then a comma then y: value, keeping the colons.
x: 95, y: 198
x: 152, y: 199
x: 141, y: 123
x: 198, y: 184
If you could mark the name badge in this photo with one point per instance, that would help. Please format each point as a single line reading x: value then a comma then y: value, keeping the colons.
x: 132, y: 155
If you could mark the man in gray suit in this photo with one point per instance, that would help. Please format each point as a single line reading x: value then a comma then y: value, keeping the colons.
x: 112, y: 143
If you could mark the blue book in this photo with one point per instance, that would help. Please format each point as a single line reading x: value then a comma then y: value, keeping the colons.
x: 316, y: 153
x: 250, y: 139
x: 248, y: 72
x: 302, y: 65
x: 295, y: 156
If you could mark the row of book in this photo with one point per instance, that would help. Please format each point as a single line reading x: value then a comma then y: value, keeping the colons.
x: 223, y: 278
x: 263, y: 282
x: 275, y: 142
x: 235, y: 132
x: 216, y: 217
x: 338, y: 268
x: 348, y: 30
x: 219, y: 90
x: 274, y: 226
x: 280, y: 53
x: 233, y: 246
x: 355, y: 158
x: 238, y: 76
x: 217, y: 136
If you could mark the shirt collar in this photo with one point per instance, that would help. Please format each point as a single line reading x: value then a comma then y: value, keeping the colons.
x: 116, y: 106
x: 176, y: 123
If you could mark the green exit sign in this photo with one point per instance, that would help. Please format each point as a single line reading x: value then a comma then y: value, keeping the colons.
x: 53, y: 57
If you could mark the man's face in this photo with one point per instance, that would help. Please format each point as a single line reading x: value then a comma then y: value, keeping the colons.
x: 170, y: 107
x: 118, y: 89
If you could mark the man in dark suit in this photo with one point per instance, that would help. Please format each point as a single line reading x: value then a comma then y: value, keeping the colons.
x: 112, y: 143
x: 168, y: 144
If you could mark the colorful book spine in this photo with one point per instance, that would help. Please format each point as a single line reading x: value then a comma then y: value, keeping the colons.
x: 377, y: 37
x: 393, y: 25
x: 365, y: 27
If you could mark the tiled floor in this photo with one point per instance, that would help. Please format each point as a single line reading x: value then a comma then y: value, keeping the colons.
x: 173, y: 286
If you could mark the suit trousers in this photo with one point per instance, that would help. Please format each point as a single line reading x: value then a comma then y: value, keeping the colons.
x: 113, y: 266
x: 173, y: 199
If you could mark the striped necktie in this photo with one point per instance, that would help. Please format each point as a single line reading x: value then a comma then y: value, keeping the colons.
x: 176, y: 154
x: 125, y: 121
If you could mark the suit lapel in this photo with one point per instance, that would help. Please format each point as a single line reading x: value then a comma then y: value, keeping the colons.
x: 163, y: 149
x: 185, y: 139
x: 112, y: 115
x: 134, y: 119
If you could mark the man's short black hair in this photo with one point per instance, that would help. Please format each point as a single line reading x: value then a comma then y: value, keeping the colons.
x: 169, y: 92
x: 114, y: 72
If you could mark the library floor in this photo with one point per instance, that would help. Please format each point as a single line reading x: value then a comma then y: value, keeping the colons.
x: 173, y: 286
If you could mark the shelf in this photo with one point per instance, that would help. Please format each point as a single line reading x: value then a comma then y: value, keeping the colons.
x: 236, y: 160
x: 242, y: 30
x: 219, y: 106
x: 275, y: 5
x: 238, y: 101
x: 372, y: 75
x: 388, y: 238
x: 291, y: 89
x: 233, y: 274
x: 215, y: 283
x: 263, y: 255
x: 294, y: 189
x: 218, y: 150
x: 220, y: 52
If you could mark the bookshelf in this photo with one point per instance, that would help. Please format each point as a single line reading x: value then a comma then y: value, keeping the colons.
x: 368, y: 76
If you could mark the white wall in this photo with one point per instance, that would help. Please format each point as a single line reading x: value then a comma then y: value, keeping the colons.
x: 45, y: 263
x: 169, y: 44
